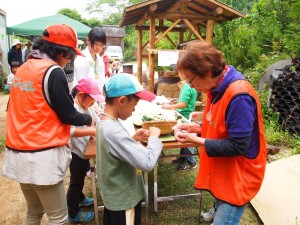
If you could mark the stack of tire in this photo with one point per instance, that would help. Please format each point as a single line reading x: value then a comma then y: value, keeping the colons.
x: 285, y: 96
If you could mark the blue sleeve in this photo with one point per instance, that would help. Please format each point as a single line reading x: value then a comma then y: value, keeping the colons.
x: 240, y: 116
x: 240, y: 120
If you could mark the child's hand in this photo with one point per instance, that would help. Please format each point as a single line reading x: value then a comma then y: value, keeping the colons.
x: 141, y: 135
x: 154, y: 132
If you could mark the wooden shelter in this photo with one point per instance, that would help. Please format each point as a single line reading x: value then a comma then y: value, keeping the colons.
x: 187, y: 17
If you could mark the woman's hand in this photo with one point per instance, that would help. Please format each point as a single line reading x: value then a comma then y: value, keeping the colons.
x: 196, y: 115
x: 185, y: 137
x: 188, y: 127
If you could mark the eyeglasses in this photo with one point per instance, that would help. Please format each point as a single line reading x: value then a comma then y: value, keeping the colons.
x: 191, y: 80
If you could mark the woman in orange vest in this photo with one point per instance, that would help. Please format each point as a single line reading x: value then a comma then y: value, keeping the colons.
x: 39, y: 116
x: 231, y: 136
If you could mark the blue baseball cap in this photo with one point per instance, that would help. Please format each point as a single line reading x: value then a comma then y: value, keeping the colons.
x: 126, y: 84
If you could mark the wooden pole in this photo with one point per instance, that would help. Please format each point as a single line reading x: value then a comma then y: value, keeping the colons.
x: 209, y: 31
x: 140, y: 56
x: 151, y: 55
x: 209, y: 37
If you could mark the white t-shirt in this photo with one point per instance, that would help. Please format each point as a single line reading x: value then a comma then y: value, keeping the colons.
x: 10, y: 78
x: 86, y: 67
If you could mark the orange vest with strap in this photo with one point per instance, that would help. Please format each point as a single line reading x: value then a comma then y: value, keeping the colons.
x: 235, y: 180
x: 32, y: 125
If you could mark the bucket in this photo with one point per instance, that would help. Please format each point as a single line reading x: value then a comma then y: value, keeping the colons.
x: 7, y: 87
x: 127, y: 68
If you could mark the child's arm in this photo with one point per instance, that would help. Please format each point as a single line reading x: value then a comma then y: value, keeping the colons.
x: 175, y: 106
x: 143, y: 134
x: 81, y: 132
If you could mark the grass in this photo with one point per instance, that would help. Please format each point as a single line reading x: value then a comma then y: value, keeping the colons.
x: 183, y: 211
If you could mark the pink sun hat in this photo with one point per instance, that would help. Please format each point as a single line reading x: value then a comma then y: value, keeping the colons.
x: 90, y: 87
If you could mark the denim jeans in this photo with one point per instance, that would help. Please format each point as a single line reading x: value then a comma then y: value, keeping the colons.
x: 227, y: 214
x: 186, y: 151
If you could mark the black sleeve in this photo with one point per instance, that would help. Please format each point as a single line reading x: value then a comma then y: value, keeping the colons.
x: 227, y: 147
x: 62, y: 102
x: 9, y: 57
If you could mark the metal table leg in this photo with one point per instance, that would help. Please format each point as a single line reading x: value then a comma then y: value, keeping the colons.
x: 155, y: 187
x: 147, y: 197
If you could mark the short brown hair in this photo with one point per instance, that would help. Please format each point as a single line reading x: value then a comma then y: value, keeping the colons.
x: 200, y: 58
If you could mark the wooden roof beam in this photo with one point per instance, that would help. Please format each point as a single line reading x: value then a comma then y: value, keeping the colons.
x: 193, y: 29
x: 177, y: 5
x: 152, y: 8
x: 171, y: 41
x: 239, y: 14
x: 174, y: 29
x: 167, y: 31
x: 178, y: 16
x: 140, y: 5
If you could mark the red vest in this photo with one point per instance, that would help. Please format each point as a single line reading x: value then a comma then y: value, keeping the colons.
x: 32, y: 125
x: 237, y: 179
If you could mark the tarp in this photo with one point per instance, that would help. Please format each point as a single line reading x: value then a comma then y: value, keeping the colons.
x: 36, y: 27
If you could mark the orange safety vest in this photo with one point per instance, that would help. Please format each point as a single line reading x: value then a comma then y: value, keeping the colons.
x: 237, y: 179
x: 32, y: 125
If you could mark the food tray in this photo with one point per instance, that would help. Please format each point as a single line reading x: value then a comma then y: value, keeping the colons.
x: 164, y: 126
x: 165, y: 138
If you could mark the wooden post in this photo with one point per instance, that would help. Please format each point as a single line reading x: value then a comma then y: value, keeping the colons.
x: 209, y: 37
x: 209, y: 31
x: 151, y: 55
x: 140, y: 56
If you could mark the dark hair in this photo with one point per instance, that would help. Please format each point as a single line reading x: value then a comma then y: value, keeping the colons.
x: 74, y: 92
x: 109, y: 100
x: 14, y: 64
x: 52, y: 49
x: 97, y: 34
x: 200, y: 58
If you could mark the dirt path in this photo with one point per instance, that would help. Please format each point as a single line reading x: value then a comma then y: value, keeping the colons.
x: 13, y: 204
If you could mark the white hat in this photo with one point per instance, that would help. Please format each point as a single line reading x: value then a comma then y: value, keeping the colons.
x: 15, y: 42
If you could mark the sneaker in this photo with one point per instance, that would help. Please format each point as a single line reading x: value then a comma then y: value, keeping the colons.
x: 89, y: 174
x: 86, y: 202
x: 182, y: 167
x: 179, y: 160
x: 209, y: 216
x: 81, y: 217
x: 192, y: 166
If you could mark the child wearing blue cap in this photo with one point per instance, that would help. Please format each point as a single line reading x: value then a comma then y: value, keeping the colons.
x: 120, y: 157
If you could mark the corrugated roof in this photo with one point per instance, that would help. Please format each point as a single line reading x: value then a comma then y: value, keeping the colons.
x: 201, y: 9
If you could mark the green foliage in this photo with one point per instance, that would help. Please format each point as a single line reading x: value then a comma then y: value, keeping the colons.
x: 2, y: 144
